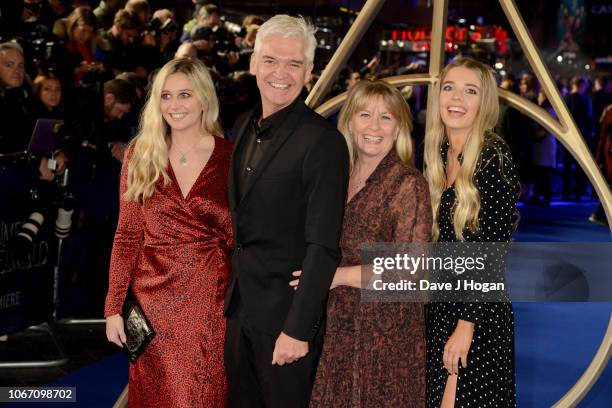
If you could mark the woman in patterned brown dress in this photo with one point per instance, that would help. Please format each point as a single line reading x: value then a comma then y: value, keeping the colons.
x: 374, y: 353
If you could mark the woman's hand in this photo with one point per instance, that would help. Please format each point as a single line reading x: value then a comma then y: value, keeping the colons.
x: 294, y: 283
x: 335, y: 282
x: 114, y: 330
x: 458, y: 346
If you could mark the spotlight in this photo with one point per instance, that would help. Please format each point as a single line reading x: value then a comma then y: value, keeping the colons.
x: 587, y: 67
x: 559, y: 58
x: 499, y: 65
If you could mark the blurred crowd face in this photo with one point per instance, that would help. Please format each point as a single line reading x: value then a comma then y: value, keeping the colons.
x: 541, y: 97
x: 82, y: 32
x: 180, y: 105
x: 31, y: 10
x: 353, y: 79
x: 374, y: 129
x: 210, y: 20
x: 51, y: 93
x: 523, y: 87
x: 114, y: 110
x: 12, y: 68
x: 128, y: 36
x: 186, y: 50
x: 204, y: 45
x: 281, y: 70
x: 460, y: 95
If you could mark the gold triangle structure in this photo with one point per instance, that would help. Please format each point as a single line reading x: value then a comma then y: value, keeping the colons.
x: 564, y: 129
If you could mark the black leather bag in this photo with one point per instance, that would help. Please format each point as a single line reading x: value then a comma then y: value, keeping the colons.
x: 138, y: 330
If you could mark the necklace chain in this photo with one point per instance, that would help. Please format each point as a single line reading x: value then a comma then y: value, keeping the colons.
x: 183, y: 159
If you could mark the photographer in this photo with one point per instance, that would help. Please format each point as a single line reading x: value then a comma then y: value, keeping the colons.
x: 161, y: 34
x: 14, y: 100
x: 81, y: 36
x: 120, y: 51
x: 218, y: 54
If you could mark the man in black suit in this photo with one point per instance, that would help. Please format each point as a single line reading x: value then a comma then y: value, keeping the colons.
x: 287, y: 189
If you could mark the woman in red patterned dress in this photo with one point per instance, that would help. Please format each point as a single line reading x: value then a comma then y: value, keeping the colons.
x: 173, y: 242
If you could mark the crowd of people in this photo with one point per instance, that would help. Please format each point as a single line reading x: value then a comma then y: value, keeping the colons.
x: 246, y: 257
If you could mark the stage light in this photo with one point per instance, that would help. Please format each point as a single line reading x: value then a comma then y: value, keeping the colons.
x: 473, y: 27
x: 461, y: 21
x: 559, y: 58
x: 587, y: 67
x: 502, y: 72
x: 499, y: 65
x: 383, y: 43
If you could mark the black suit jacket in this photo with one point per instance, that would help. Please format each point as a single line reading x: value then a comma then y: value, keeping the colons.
x: 289, y: 218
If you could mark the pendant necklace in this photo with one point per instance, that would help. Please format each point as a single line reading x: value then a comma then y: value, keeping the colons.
x: 183, y: 158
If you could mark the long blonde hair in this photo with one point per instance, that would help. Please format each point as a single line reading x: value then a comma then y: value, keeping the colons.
x: 149, y: 160
x: 467, y: 197
x: 357, y: 99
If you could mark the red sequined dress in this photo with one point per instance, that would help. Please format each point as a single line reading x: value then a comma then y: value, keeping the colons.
x: 174, y: 251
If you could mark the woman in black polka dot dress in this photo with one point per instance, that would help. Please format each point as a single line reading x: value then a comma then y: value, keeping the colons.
x: 474, y: 189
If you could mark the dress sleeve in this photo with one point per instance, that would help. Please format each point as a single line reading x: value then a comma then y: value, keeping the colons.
x: 499, y: 188
x: 412, y: 209
x: 127, y: 246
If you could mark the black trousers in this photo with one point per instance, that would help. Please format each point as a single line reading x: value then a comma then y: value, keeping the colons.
x: 253, y: 382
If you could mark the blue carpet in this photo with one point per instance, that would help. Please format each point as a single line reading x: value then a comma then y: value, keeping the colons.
x: 97, y: 385
x: 555, y: 342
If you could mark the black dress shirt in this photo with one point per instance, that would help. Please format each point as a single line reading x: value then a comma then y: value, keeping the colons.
x: 256, y: 140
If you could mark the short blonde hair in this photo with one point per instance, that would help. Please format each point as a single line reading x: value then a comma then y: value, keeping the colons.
x: 358, y: 97
x: 289, y: 27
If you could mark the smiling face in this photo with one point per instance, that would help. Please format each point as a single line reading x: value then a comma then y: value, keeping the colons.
x: 179, y: 103
x: 374, y: 130
x: 281, y: 70
x: 460, y: 94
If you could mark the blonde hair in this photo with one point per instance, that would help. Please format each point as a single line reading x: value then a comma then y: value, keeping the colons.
x: 149, y: 159
x: 357, y: 99
x: 467, y: 197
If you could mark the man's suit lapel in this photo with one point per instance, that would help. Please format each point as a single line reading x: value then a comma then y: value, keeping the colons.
x: 240, y: 130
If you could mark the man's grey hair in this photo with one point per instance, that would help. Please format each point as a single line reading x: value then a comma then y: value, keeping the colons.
x: 11, y: 45
x: 289, y: 27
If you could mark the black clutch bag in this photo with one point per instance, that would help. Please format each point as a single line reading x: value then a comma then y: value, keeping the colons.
x: 138, y: 330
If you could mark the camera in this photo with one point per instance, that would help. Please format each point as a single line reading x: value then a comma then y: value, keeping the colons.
x: 156, y: 27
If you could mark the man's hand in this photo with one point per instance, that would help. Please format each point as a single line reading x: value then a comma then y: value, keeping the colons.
x: 118, y: 150
x: 288, y: 350
x: 60, y: 162
x: 44, y: 172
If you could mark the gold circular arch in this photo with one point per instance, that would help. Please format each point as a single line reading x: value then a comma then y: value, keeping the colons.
x: 541, y: 116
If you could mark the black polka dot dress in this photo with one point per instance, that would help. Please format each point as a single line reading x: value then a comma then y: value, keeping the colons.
x: 489, y: 379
